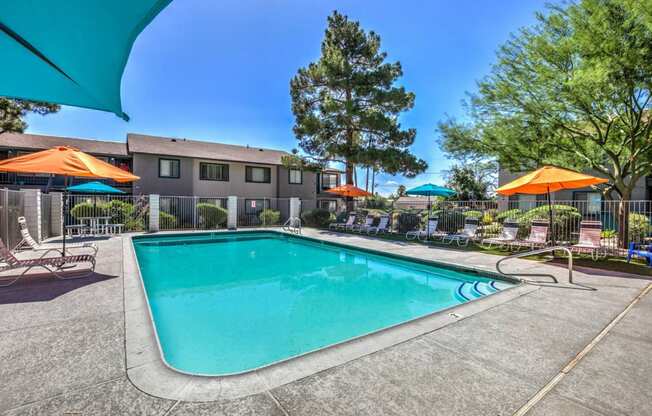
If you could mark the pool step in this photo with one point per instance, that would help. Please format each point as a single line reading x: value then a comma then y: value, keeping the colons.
x: 472, y: 290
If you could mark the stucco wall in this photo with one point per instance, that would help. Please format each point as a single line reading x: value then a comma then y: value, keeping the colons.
x: 236, y: 185
x: 305, y: 190
x: 146, y: 166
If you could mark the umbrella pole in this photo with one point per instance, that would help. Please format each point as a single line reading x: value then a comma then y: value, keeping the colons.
x: 552, y: 227
x: 428, y: 220
x: 63, y: 214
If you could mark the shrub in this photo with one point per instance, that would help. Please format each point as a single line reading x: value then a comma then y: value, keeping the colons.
x: 494, y: 228
x: 210, y: 215
x: 166, y: 221
x: 270, y: 216
x: 317, y: 217
x: 450, y: 221
x: 511, y: 214
x: 408, y: 221
x: 608, y: 234
x: 377, y: 202
x: 86, y: 209
x: 564, y: 218
x: 472, y: 214
x: 639, y: 226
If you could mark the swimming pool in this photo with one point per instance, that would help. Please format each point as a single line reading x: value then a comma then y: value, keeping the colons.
x: 227, y: 303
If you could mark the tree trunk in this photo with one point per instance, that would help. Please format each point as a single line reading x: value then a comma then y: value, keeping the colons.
x: 623, y: 219
x: 366, y: 185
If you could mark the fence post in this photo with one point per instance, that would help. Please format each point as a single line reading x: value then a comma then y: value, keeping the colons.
x: 56, y: 213
x: 32, y: 198
x: 232, y: 217
x: 154, y: 205
x: 295, y: 207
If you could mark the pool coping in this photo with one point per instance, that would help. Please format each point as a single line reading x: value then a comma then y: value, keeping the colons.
x: 147, y: 369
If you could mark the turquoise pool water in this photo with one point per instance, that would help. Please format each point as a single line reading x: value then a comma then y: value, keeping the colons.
x: 225, y: 303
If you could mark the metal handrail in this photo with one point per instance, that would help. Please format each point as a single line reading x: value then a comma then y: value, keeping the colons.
x: 292, y: 225
x: 539, y: 251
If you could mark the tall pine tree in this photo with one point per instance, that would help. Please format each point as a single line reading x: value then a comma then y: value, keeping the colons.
x: 347, y: 106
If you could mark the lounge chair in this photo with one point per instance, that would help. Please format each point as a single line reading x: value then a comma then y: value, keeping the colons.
x: 337, y: 225
x: 368, y: 223
x: 590, y: 240
x: 538, y: 237
x: 55, y: 265
x: 506, y: 237
x: 467, y: 234
x: 382, y: 227
x: 29, y: 243
x: 428, y: 232
x: 635, y: 249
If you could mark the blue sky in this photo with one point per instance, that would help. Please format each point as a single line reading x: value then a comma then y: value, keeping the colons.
x: 220, y: 70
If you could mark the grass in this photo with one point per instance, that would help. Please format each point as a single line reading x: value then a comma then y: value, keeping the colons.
x: 611, y: 263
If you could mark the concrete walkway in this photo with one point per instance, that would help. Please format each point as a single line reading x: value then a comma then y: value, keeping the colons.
x: 62, y: 352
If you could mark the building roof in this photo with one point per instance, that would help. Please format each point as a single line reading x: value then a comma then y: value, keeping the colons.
x: 40, y: 142
x: 412, y: 200
x: 168, y: 146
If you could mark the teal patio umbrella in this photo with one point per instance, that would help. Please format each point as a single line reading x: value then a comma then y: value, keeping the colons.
x: 429, y: 190
x: 70, y: 52
x: 94, y: 188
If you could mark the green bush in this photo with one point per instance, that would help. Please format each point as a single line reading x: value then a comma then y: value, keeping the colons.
x: 270, y: 216
x: 408, y: 221
x: 317, y: 217
x: 565, y: 217
x: 608, y: 234
x: 377, y: 202
x: 166, y: 221
x: 509, y: 214
x: 492, y: 229
x: 450, y: 221
x: 473, y: 214
x: 210, y: 215
x: 639, y: 226
x: 87, y: 209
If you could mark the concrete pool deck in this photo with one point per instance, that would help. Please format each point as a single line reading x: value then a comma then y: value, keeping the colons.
x: 62, y: 345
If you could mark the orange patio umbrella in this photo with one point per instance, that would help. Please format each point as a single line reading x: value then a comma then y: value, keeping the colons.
x: 546, y: 180
x: 348, y: 191
x: 68, y: 162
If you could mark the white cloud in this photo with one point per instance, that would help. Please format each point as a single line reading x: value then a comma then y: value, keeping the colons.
x: 391, y: 183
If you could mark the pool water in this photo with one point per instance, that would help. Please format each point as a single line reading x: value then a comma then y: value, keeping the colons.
x: 226, y: 303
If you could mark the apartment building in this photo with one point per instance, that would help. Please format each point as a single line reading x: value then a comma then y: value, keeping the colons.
x: 183, y: 167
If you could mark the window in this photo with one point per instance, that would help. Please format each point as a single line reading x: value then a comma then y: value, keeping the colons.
x: 329, y: 180
x: 213, y: 172
x: 295, y: 176
x: 258, y: 174
x: 168, y: 168
x: 329, y: 204
x: 591, y: 201
x: 254, y: 206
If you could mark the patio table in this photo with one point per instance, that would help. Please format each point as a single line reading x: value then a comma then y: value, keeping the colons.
x: 97, y: 225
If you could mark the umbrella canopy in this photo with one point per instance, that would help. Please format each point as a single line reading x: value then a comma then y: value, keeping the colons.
x: 429, y: 189
x: 348, y: 191
x: 66, y: 161
x: 94, y: 188
x: 549, y: 179
x: 546, y: 180
x: 70, y: 52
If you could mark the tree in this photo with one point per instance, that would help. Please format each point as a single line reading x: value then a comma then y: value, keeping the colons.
x: 574, y: 91
x: 401, y: 191
x: 346, y: 105
x: 469, y: 183
x: 13, y: 112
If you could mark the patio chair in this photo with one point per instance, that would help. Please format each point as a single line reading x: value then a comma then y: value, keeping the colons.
x: 29, y: 243
x: 382, y: 227
x: 506, y: 237
x: 56, y: 265
x: 337, y: 225
x: 368, y: 223
x: 538, y: 237
x: 428, y: 232
x: 635, y: 249
x: 590, y: 240
x: 467, y: 234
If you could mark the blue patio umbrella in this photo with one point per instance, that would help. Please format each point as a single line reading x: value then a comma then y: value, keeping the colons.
x: 70, y: 52
x: 429, y: 190
x: 94, y: 187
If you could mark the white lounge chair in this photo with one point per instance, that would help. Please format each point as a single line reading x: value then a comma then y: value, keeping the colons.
x: 590, y: 240
x: 538, y: 237
x: 428, y: 232
x: 507, y: 236
x: 467, y: 234
x: 382, y: 227
x: 348, y: 223
x: 368, y: 223
x: 29, y: 243
x: 56, y: 265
